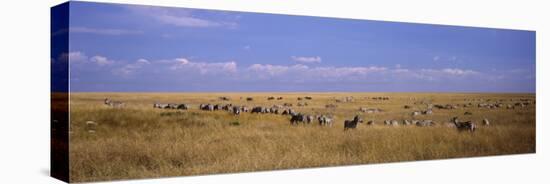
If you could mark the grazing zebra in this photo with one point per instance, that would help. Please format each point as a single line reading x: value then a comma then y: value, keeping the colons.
x: 183, y: 106
x: 244, y: 108
x: 406, y: 122
x: 171, y: 106
x: 391, y: 122
x: 207, y: 107
x: 159, y: 105
x: 352, y: 124
x: 309, y: 119
x: 226, y: 107
x: 285, y: 112
x: 236, y: 110
x: 297, y: 118
x: 324, y: 120
x: 259, y: 109
x: 116, y: 104
x: 415, y: 113
x: 363, y: 109
x: 425, y: 123
x: 464, y: 126
x: 288, y: 112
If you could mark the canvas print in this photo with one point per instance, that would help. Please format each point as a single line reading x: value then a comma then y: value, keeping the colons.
x: 145, y: 91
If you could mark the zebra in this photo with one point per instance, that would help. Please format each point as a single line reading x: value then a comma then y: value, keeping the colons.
x: 391, y: 122
x: 309, y: 119
x: 324, y: 120
x: 172, y: 106
x: 159, y: 105
x: 244, y: 109
x: 352, y: 124
x: 425, y: 123
x: 258, y: 109
x: 116, y: 104
x: 236, y: 110
x: 183, y: 106
x: 464, y: 126
x: 297, y: 118
x: 207, y: 107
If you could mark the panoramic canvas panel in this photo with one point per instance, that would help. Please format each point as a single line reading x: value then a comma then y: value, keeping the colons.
x: 161, y: 91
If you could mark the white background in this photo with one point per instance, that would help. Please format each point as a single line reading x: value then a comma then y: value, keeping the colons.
x: 24, y: 84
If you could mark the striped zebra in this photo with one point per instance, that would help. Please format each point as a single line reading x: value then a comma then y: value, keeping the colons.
x: 116, y: 104
x: 352, y: 124
x: 464, y: 126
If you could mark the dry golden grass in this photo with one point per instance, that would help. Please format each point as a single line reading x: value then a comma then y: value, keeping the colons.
x: 141, y: 142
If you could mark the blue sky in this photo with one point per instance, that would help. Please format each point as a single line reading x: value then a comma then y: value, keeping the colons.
x: 116, y: 47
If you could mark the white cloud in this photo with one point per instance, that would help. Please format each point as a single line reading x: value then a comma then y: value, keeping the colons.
x: 188, y: 21
x: 282, y: 73
x: 456, y: 71
x: 301, y: 59
x: 131, y: 68
x: 180, y: 17
x: 181, y: 61
x: 274, y: 70
x: 143, y: 61
x: 103, y: 31
x: 101, y: 61
x: 203, y: 67
x: 436, y: 58
x: 77, y: 57
x: 300, y: 72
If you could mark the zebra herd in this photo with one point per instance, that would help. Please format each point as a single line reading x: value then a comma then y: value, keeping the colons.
x: 323, y: 120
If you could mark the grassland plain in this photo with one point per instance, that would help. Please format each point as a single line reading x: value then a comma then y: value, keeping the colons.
x: 138, y: 141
